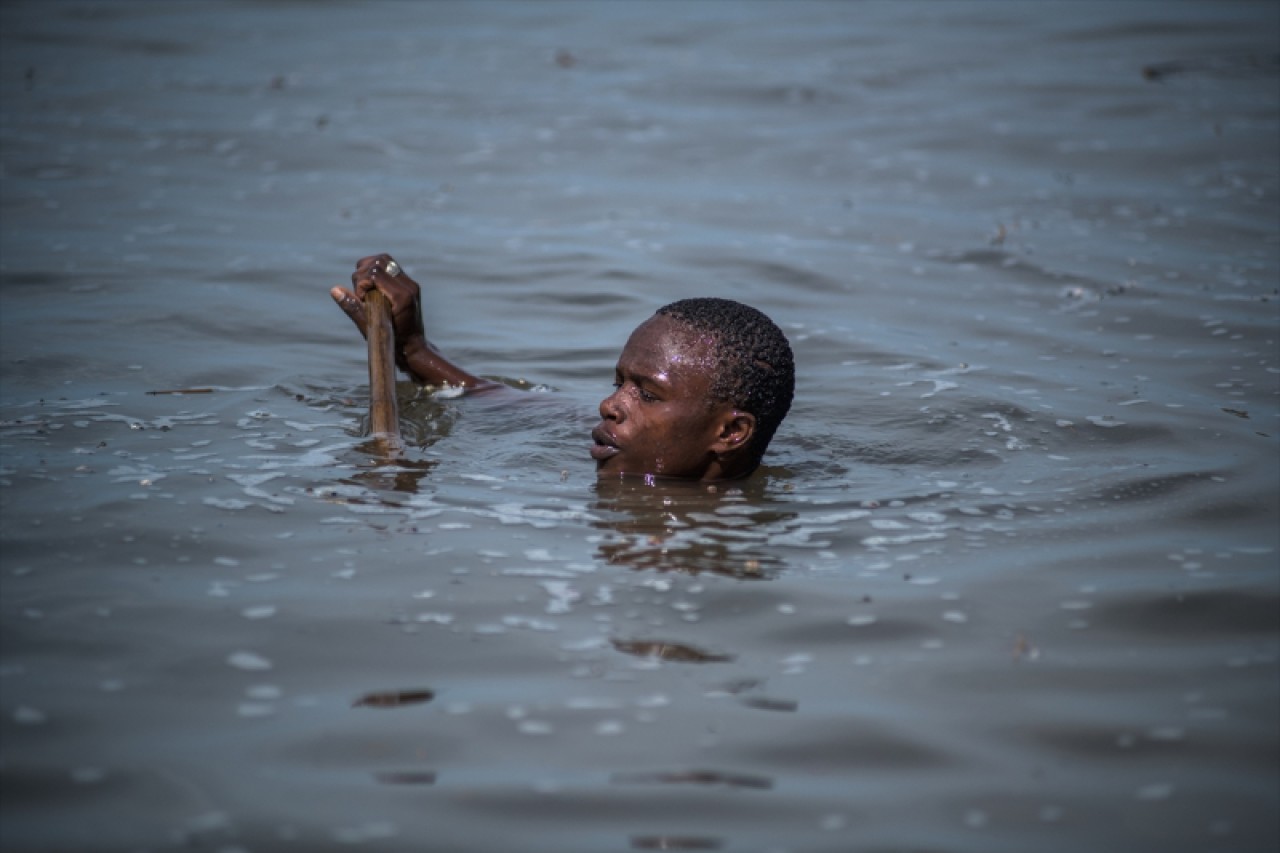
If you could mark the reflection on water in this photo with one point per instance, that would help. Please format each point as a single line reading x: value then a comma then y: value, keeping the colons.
x: 690, y: 528
x: 381, y: 469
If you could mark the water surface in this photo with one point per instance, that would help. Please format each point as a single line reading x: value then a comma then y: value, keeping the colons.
x: 1007, y: 581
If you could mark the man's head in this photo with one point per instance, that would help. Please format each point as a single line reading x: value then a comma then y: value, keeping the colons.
x: 701, y: 388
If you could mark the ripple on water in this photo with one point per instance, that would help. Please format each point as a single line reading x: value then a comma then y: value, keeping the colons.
x: 1210, y: 615
x: 1032, y: 369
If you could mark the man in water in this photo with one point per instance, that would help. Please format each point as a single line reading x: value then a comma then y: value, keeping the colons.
x: 700, y: 387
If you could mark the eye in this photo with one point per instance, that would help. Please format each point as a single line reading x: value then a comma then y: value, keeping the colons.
x: 646, y: 396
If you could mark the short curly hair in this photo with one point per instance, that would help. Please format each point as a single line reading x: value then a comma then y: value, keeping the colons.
x: 755, y: 370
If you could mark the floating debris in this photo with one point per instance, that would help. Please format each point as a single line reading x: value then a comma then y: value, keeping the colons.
x: 668, y: 651
x: 406, y: 777
x: 675, y: 842
x: 1220, y: 66
x: 734, y: 687
x: 694, y: 777
x: 393, y: 698
x: 1023, y: 649
x: 761, y: 703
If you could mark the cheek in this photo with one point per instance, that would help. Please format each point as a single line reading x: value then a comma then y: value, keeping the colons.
x: 652, y: 436
x: 684, y: 436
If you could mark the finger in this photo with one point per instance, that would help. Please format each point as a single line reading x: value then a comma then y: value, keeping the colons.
x: 366, y: 266
x: 367, y: 271
x: 372, y: 262
x: 352, y: 307
x: 376, y: 281
x: 400, y: 289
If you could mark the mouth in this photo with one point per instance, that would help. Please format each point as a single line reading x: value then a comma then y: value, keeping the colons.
x: 605, y: 446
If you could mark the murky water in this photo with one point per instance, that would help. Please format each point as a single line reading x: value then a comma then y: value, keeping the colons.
x: 1008, y: 581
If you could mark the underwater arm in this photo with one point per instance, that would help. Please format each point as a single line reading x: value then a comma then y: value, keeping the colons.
x: 414, y: 353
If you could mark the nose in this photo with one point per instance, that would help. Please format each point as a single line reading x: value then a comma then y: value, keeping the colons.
x: 611, y: 407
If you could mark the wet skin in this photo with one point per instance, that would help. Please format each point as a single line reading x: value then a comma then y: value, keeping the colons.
x: 414, y: 353
x: 658, y: 422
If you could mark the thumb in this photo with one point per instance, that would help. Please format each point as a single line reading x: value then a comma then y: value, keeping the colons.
x: 352, y: 307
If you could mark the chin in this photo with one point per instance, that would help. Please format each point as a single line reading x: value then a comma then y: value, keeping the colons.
x: 612, y: 467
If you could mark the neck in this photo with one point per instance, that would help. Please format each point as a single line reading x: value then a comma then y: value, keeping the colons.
x: 726, y: 469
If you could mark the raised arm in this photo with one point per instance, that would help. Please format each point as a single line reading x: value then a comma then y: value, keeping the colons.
x: 414, y: 353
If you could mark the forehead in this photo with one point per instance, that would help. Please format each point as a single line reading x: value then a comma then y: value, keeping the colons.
x: 663, y: 347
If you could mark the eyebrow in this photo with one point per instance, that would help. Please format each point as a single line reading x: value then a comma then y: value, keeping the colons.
x: 641, y: 377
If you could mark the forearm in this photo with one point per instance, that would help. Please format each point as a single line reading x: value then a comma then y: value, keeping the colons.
x: 416, y: 356
x: 427, y: 365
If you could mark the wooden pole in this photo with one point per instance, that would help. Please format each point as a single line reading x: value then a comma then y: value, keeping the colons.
x: 384, y: 412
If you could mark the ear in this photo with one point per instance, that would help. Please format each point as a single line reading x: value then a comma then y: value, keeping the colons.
x: 736, y: 430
